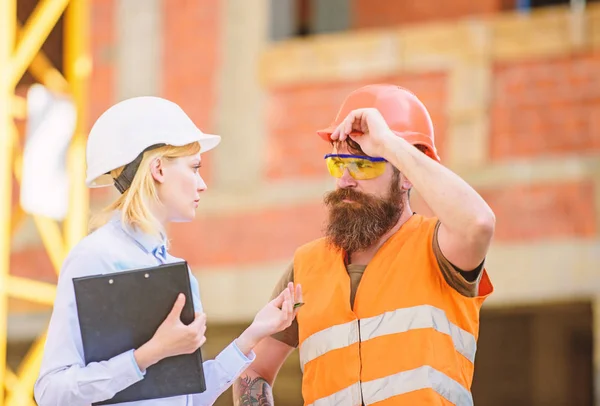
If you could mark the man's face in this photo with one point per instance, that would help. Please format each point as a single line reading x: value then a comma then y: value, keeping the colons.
x: 362, y: 211
x: 378, y: 186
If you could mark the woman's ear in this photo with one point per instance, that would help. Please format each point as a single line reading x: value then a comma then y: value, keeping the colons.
x: 156, y: 169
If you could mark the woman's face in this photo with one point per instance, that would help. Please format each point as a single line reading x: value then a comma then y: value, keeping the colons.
x: 179, y: 185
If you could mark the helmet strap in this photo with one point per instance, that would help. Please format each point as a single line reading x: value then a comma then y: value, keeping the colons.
x: 125, y: 178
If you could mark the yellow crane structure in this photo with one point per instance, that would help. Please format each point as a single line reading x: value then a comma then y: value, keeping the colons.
x: 20, y: 50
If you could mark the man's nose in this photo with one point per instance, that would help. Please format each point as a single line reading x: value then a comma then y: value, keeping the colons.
x: 346, y: 181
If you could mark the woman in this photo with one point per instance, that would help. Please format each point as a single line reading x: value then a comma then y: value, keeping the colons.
x: 150, y: 150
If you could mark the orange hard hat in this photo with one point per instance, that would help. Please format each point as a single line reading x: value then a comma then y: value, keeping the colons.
x: 403, y: 112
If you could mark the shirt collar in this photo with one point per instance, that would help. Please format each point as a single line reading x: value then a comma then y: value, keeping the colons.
x: 150, y: 243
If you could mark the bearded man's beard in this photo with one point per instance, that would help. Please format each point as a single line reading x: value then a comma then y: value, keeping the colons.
x: 357, y: 225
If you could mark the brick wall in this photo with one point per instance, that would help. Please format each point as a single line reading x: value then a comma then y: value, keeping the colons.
x: 102, y: 42
x: 33, y: 263
x: 386, y: 13
x: 191, y: 60
x: 546, y: 106
x: 525, y: 212
x: 249, y: 237
x: 543, y: 212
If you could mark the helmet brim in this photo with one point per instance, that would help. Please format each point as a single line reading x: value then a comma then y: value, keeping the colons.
x: 101, y: 178
x: 413, y: 138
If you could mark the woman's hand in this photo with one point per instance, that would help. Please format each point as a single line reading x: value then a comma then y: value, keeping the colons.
x: 276, y: 316
x: 172, y: 337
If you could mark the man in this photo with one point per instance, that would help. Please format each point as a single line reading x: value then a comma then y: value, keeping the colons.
x: 406, y: 335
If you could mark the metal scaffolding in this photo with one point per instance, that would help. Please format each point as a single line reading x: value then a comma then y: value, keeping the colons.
x: 20, y: 50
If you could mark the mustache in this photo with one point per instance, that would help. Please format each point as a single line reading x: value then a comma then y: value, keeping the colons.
x: 339, y: 195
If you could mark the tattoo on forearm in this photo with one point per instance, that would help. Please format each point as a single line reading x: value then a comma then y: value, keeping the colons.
x: 252, y: 392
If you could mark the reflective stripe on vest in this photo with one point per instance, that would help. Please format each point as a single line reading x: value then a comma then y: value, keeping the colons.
x: 349, y: 396
x: 394, y: 322
x: 332, y: 338
x: 404, y: 382
x: 424, y: 316
x: 415, y: 379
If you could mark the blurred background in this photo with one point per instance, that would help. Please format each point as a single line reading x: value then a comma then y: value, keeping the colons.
x: 514, y: 90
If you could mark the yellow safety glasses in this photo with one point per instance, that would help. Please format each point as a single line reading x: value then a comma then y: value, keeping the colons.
x: 360, y: 167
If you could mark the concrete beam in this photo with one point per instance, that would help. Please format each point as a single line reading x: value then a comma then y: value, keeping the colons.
x: 139, y: 48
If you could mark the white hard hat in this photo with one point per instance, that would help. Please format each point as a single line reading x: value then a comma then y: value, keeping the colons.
x: 130, y: 127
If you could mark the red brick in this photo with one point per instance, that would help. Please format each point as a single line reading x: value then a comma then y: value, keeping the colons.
x: 295, y: 113
x: 103, y: 42
x: 386, y: 13
x: 527, y: 213
x: 546, y: 107
x: 247, y: 238
x: 191, y: 61
x: 33, y: 263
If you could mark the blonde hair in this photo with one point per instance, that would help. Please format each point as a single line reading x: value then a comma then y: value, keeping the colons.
x: 134, y: 203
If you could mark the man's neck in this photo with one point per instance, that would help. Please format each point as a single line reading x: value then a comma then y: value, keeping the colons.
x: 365, y: 256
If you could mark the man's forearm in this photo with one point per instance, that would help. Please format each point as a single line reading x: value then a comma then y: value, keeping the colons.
x: 456, y: 204
x: 250, y: 389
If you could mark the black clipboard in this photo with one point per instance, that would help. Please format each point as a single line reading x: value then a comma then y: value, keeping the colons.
x: 121, y: 311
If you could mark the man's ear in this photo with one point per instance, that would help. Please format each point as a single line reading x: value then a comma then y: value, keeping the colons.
x: 405, y: 184
x: 156, y: 169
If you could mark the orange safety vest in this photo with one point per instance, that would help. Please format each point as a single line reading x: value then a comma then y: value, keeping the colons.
x: 410, y: 339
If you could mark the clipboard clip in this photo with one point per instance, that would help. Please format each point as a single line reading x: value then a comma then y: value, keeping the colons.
x: 111, y: 281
